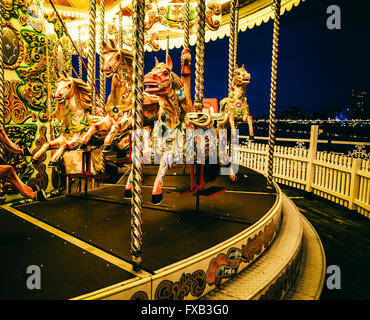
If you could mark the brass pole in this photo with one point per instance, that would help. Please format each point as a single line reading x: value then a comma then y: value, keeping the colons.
x: 2, y: 151
x: 186, y: 10
x: 91, y: 70
x: 232, y: 51
x: 272, y: 122
x: 120, y: 27
x: 102, y: 78
x: 199, y: 56
x: 236, y: 38
x: 80, y: 49
x: 138, y: 15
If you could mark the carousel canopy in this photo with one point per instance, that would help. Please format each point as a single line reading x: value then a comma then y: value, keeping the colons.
x: 164, y: 19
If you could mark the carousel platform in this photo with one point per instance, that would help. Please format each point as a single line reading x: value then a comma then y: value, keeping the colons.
x: 82, y: 241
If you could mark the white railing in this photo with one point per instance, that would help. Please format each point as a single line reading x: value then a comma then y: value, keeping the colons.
x: 343, y: 179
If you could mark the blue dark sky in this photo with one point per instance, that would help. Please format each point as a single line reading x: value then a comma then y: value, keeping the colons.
x: 317, y: 66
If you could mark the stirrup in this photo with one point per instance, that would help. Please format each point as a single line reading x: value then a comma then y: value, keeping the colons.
x: 52, y: 164
x: 106, y: 148
x: 157, y: 198
x: 128, y: 194
x: 40, y: 195
x: 27, y: 152
x: 82, y: 147
x: 35, y: 161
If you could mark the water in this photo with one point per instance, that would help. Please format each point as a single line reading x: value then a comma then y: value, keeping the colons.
x: 331, y: 132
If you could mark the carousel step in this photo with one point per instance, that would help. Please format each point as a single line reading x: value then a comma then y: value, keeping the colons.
x: 311, y: 277
x: 267, y: 271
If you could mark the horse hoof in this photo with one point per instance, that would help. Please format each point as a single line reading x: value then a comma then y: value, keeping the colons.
x: 40, y: 195
x: 82, y: 147
x: 27, y: 152
x: 52, y: 164
x: 128, y: 194
x: 106, y: 148
x: 157, y: 198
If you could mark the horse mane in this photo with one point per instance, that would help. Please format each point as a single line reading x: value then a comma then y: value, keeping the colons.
x: 127, y: 59
x: 176, y: 81
x: 85, y: 94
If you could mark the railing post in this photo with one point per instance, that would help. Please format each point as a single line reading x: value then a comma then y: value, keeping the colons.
x: 354, y: 186
x: 312, y: 157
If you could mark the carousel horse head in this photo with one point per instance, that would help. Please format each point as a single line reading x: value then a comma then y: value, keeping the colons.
x: 114, y: 59
x: 161, y: 79
x: 186, y: 62
x: 241, y: 77
x: 68, y: 87
x: 64, y: 87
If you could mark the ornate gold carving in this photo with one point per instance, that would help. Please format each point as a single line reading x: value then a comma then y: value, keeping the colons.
x: 14, y: 108
x: 194, y: 284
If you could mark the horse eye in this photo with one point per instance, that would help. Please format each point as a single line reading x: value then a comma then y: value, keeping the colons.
x: 165, y: 73
x: 118, y: 56
x: 69, y: 86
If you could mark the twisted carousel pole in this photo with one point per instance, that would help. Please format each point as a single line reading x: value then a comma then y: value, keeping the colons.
x: 80, y: 49
x: 186, y: 10
x: 199, y: 55
x: 199, y: 72
x: 235, y: 55
x: 120, y: 26
x: 102, y: 78
x: 91, y: 70
x: 168, y: 43
x: 138, y: 15
x: 272, y: 122
x: 232, y: 42
x: 2, y: 153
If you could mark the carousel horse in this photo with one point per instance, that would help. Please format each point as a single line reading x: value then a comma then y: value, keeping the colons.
x: 74, y: 106
x: 235, y: 106
x: 172, y: 120
x: 117, y: 64
x: 8, y: 173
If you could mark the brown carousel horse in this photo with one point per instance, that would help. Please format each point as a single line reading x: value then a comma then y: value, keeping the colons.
x: 117, y: 64
x: 8, y: 173
x: 174, y: 105
x: 235, y: 106
x: 74, y: 105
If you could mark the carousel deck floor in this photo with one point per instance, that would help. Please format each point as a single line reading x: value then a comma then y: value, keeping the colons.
x: 66, y: 270
x: 172, y: 231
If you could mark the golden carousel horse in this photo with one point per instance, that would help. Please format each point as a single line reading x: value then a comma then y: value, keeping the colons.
x: 8, y: 173
x: 235, y: 106
x: 117, y: 64
x: 74, y: 106
x: 172, y: 120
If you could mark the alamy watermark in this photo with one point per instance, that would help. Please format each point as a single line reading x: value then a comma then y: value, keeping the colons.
x: 334, y: 21
x: 187, y: 146
x: 34, y: 280
x: 334, y: 280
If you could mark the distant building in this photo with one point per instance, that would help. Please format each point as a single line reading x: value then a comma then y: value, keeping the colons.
x: 357, y: 105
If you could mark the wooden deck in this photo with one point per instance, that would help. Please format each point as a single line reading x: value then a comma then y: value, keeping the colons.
x: 345, y: 236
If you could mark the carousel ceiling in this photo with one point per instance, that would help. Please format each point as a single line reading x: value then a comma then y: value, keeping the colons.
x: 164, y: 21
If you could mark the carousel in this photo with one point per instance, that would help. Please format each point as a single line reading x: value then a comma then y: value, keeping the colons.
x: 127, y: 185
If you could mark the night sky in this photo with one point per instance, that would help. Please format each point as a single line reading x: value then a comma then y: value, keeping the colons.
x: 317, y: 66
